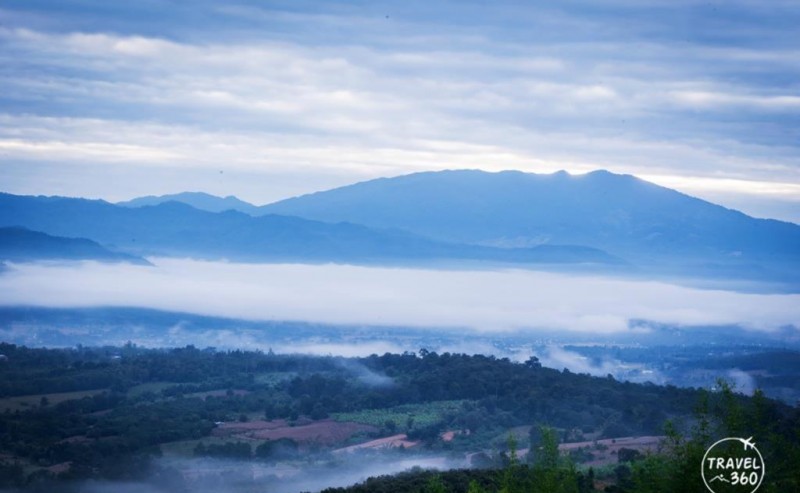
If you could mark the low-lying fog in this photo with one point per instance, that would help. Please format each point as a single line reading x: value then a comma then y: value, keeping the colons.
x: 498, y: 305
x: 483, y: 300
x: 204, y: 475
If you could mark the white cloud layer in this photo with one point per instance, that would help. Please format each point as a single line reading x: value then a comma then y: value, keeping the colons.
x: 484, y: 300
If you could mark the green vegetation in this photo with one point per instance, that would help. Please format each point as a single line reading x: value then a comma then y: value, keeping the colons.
x: 173, y: 401
x: 22, y: 403
x: 150, y: 387
x: 405, y: 417
x: 674, y: 469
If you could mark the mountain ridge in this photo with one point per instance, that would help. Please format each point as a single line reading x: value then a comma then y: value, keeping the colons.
x: 428, y: 217
x: 19, y: 244
x: 177, y: 229
x: 199, y: 200
x: 477, y: 207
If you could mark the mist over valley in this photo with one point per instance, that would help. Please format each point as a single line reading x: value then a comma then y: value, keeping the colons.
x: 399, y: 247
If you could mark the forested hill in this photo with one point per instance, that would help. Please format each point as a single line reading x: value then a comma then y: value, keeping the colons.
x: 499, y: 391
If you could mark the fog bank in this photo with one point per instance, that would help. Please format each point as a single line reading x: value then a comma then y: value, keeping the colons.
x: 483, y: 300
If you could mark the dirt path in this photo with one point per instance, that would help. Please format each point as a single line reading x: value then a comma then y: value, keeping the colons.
x: 388, y: 442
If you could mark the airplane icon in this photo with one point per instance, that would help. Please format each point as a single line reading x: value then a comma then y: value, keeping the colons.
x: 748, y: 443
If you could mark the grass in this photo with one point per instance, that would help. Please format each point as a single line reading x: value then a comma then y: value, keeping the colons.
x: 422, y: 414
x: 185, y: 448
x: 24, y: 402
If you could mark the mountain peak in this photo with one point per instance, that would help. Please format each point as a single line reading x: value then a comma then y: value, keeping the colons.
x: 618, y: 213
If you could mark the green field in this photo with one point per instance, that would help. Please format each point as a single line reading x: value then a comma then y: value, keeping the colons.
x: 422, y: 414
x: 24, y: 402
x: 185, y: 448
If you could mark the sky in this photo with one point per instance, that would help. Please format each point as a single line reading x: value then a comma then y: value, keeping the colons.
x: 270, y: 99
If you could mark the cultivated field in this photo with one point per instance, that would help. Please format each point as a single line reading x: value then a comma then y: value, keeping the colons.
x: 24, y: 402
x: 419, y: 414
x: 324, y: 432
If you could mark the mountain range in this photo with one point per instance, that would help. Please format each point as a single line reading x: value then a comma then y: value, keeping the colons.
x: 618, y: 213
x: 510, y: 217
x: 176, y: 229
x: 198, y: 200
x: 23, y: 245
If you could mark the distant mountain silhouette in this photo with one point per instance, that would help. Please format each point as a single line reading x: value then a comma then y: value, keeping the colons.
x: 620, y: 214
x: 23, y: 245
x: 198, y: 200
x: 176, y: 229
x: 434, y: 217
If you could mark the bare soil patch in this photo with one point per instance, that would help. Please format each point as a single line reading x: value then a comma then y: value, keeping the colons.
x: 381, y: 443
x: 323, y: 432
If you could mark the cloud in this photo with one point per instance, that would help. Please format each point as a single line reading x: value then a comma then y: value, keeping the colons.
x: 347, y: 92
x: 702, y: 99
x: 559, y: 358
x: 86, y: 150
x: 365, y: 375
x: 483, y: 301
x: 742, y: 382
x: 349, y: 350
x: 315, y: 473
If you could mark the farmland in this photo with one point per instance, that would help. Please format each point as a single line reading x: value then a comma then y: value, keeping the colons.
x: 323, y: 432
x: 28, y: 402
x: 404, y: 417
x: 279, y: 413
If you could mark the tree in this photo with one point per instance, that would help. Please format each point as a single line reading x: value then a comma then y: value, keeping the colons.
x: 474, y: 487
x: 551, y: 472
x: 628, y: 455
x: 435, y: 485
x: 509, y: 482
x: 533, y: 362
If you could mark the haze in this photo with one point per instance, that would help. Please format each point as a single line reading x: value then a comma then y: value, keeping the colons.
x: 482, y: 300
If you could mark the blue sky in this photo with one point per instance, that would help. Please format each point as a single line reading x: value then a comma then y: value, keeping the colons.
x: 268, y: 99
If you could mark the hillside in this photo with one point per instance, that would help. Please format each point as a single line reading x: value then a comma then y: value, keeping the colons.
x: 450, y: 216
x: 23, y: 245
x: 618, y: 213
x: 661, y: 231
x: 155, y: 417
x: 176, y: 229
